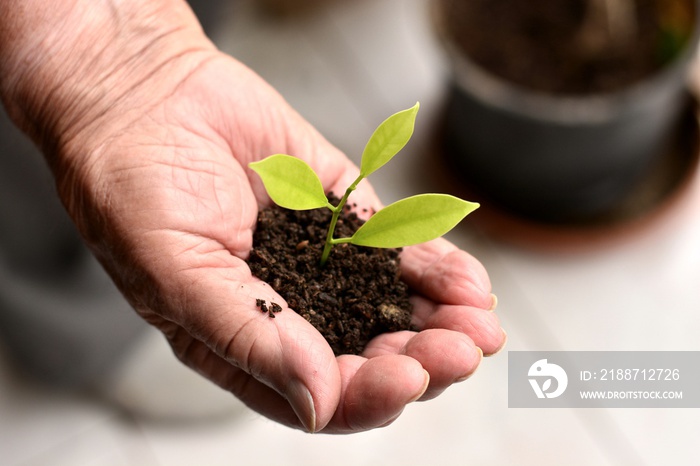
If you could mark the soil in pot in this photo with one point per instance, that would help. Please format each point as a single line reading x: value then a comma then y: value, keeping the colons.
x: 574, y: 47
x: 550, y: 125
x: 356, y: 296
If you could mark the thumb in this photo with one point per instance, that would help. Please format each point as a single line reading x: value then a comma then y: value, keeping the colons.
x: 281, y: 367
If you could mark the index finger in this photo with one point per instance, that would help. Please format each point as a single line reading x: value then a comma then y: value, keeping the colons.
x: 445, y: 274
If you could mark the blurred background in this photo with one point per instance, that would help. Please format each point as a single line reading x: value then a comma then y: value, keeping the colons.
x: 624, y: 279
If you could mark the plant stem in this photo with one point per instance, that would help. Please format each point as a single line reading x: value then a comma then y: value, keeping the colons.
x: 334, y: 220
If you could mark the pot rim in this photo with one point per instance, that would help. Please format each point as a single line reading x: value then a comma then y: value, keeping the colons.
x: 594, y: 108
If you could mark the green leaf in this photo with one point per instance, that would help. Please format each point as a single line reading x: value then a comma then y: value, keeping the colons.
x: 413, y: 220
x: 388, y: 139
x: 290, y: 182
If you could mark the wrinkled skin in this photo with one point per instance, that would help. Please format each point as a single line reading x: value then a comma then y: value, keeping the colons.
x: 153, y: 170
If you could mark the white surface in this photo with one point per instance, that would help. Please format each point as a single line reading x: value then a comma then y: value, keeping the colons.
x: 346, y: 69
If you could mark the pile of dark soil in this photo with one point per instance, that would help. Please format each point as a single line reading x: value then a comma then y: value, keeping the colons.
x: 538, y: 44
x: 356, y: 296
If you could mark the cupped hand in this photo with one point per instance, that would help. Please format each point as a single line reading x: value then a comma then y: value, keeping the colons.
x: 159, y: 186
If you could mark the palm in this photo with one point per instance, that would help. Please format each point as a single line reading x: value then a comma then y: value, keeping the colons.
x: 171, y: 212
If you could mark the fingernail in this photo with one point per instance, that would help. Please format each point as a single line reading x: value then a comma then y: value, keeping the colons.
x: 426, y: 383
x: 494, y: 302
x: 505, y: 340
x: 302, y: 403
x: 465, y: 377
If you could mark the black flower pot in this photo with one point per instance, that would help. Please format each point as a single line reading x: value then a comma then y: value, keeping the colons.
x: 557, y: 157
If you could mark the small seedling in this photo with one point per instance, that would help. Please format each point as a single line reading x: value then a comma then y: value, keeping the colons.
x: 293, y: 184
